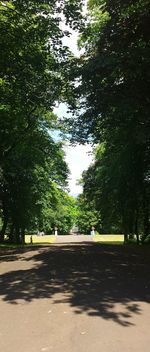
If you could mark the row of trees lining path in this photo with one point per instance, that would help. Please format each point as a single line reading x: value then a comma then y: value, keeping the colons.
x: 113, y: 105
x: 34, y: 77
x: 107, y: 90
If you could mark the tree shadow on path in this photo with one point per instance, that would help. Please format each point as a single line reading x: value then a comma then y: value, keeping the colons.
x: 99, y: 280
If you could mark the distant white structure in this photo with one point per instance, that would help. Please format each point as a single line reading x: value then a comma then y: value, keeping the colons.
x: 93, y: 231
x: 56, y: 231
x: 74, y: 230
x: 40, y: 233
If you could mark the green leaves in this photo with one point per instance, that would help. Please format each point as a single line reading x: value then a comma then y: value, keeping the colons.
x: 113, y: 92
x: 58, y: 210
x: 33, y: 65
x: 87, y: 216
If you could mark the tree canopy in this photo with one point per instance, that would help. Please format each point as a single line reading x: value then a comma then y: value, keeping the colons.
x: 113, y: 104
x: 107, y: 89
x: 33, y: 68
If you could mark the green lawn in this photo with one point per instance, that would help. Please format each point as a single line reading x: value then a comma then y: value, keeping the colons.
x: 40, y: 239
x: 118, y: 239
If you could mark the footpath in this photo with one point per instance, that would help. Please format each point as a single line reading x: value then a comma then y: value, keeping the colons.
x: 75, y: 297
x: 74, y: 239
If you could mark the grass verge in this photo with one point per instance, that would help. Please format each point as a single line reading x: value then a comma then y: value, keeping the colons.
x: 112, y: 239
x: 39, y: 239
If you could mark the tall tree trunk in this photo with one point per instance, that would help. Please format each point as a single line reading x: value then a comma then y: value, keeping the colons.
x: 16, y: 237
x: 23, y: 236
x: 124, y: 228
x: 125, y: 237
x: 136, y: 227
x: 11, y: 235
x: 3, y: 230
x: 146, y: 224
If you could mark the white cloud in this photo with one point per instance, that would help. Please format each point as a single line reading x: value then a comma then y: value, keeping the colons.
x: 71, y: 42
x: 78, y: 159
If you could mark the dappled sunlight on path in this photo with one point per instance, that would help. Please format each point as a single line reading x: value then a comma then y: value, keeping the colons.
x: 93, y: 279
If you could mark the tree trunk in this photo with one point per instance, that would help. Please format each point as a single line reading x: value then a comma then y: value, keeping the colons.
x: 146, y: 217
x: 3, y: 230
x: 146, y: 222
x: 125, y: 238
x: 16, y: 238
x: 23, y: 236
x: 136, y: 227
x: 11, y: 235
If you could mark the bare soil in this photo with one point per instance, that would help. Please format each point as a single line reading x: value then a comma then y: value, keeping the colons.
x: 75, y: 297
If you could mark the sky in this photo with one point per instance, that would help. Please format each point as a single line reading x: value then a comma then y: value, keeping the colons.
x: 78, y: 157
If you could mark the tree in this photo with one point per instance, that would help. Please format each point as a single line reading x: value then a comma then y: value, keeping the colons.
x: 114, y: 189
x: 28, y: 176
x: 58, y: 210
x: 87, y: 216
x: 33, y: 65
x: 114, y: 103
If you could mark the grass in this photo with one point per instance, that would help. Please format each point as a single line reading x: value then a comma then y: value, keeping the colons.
x: 35, y: 240
x: 9, y: 245
x: 39, y: 239
x: 50, y: 239
x: 113, y: 239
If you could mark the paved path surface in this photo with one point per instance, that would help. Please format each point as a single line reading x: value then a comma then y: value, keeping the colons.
x: 74, y: 239
x: 75, y: 298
